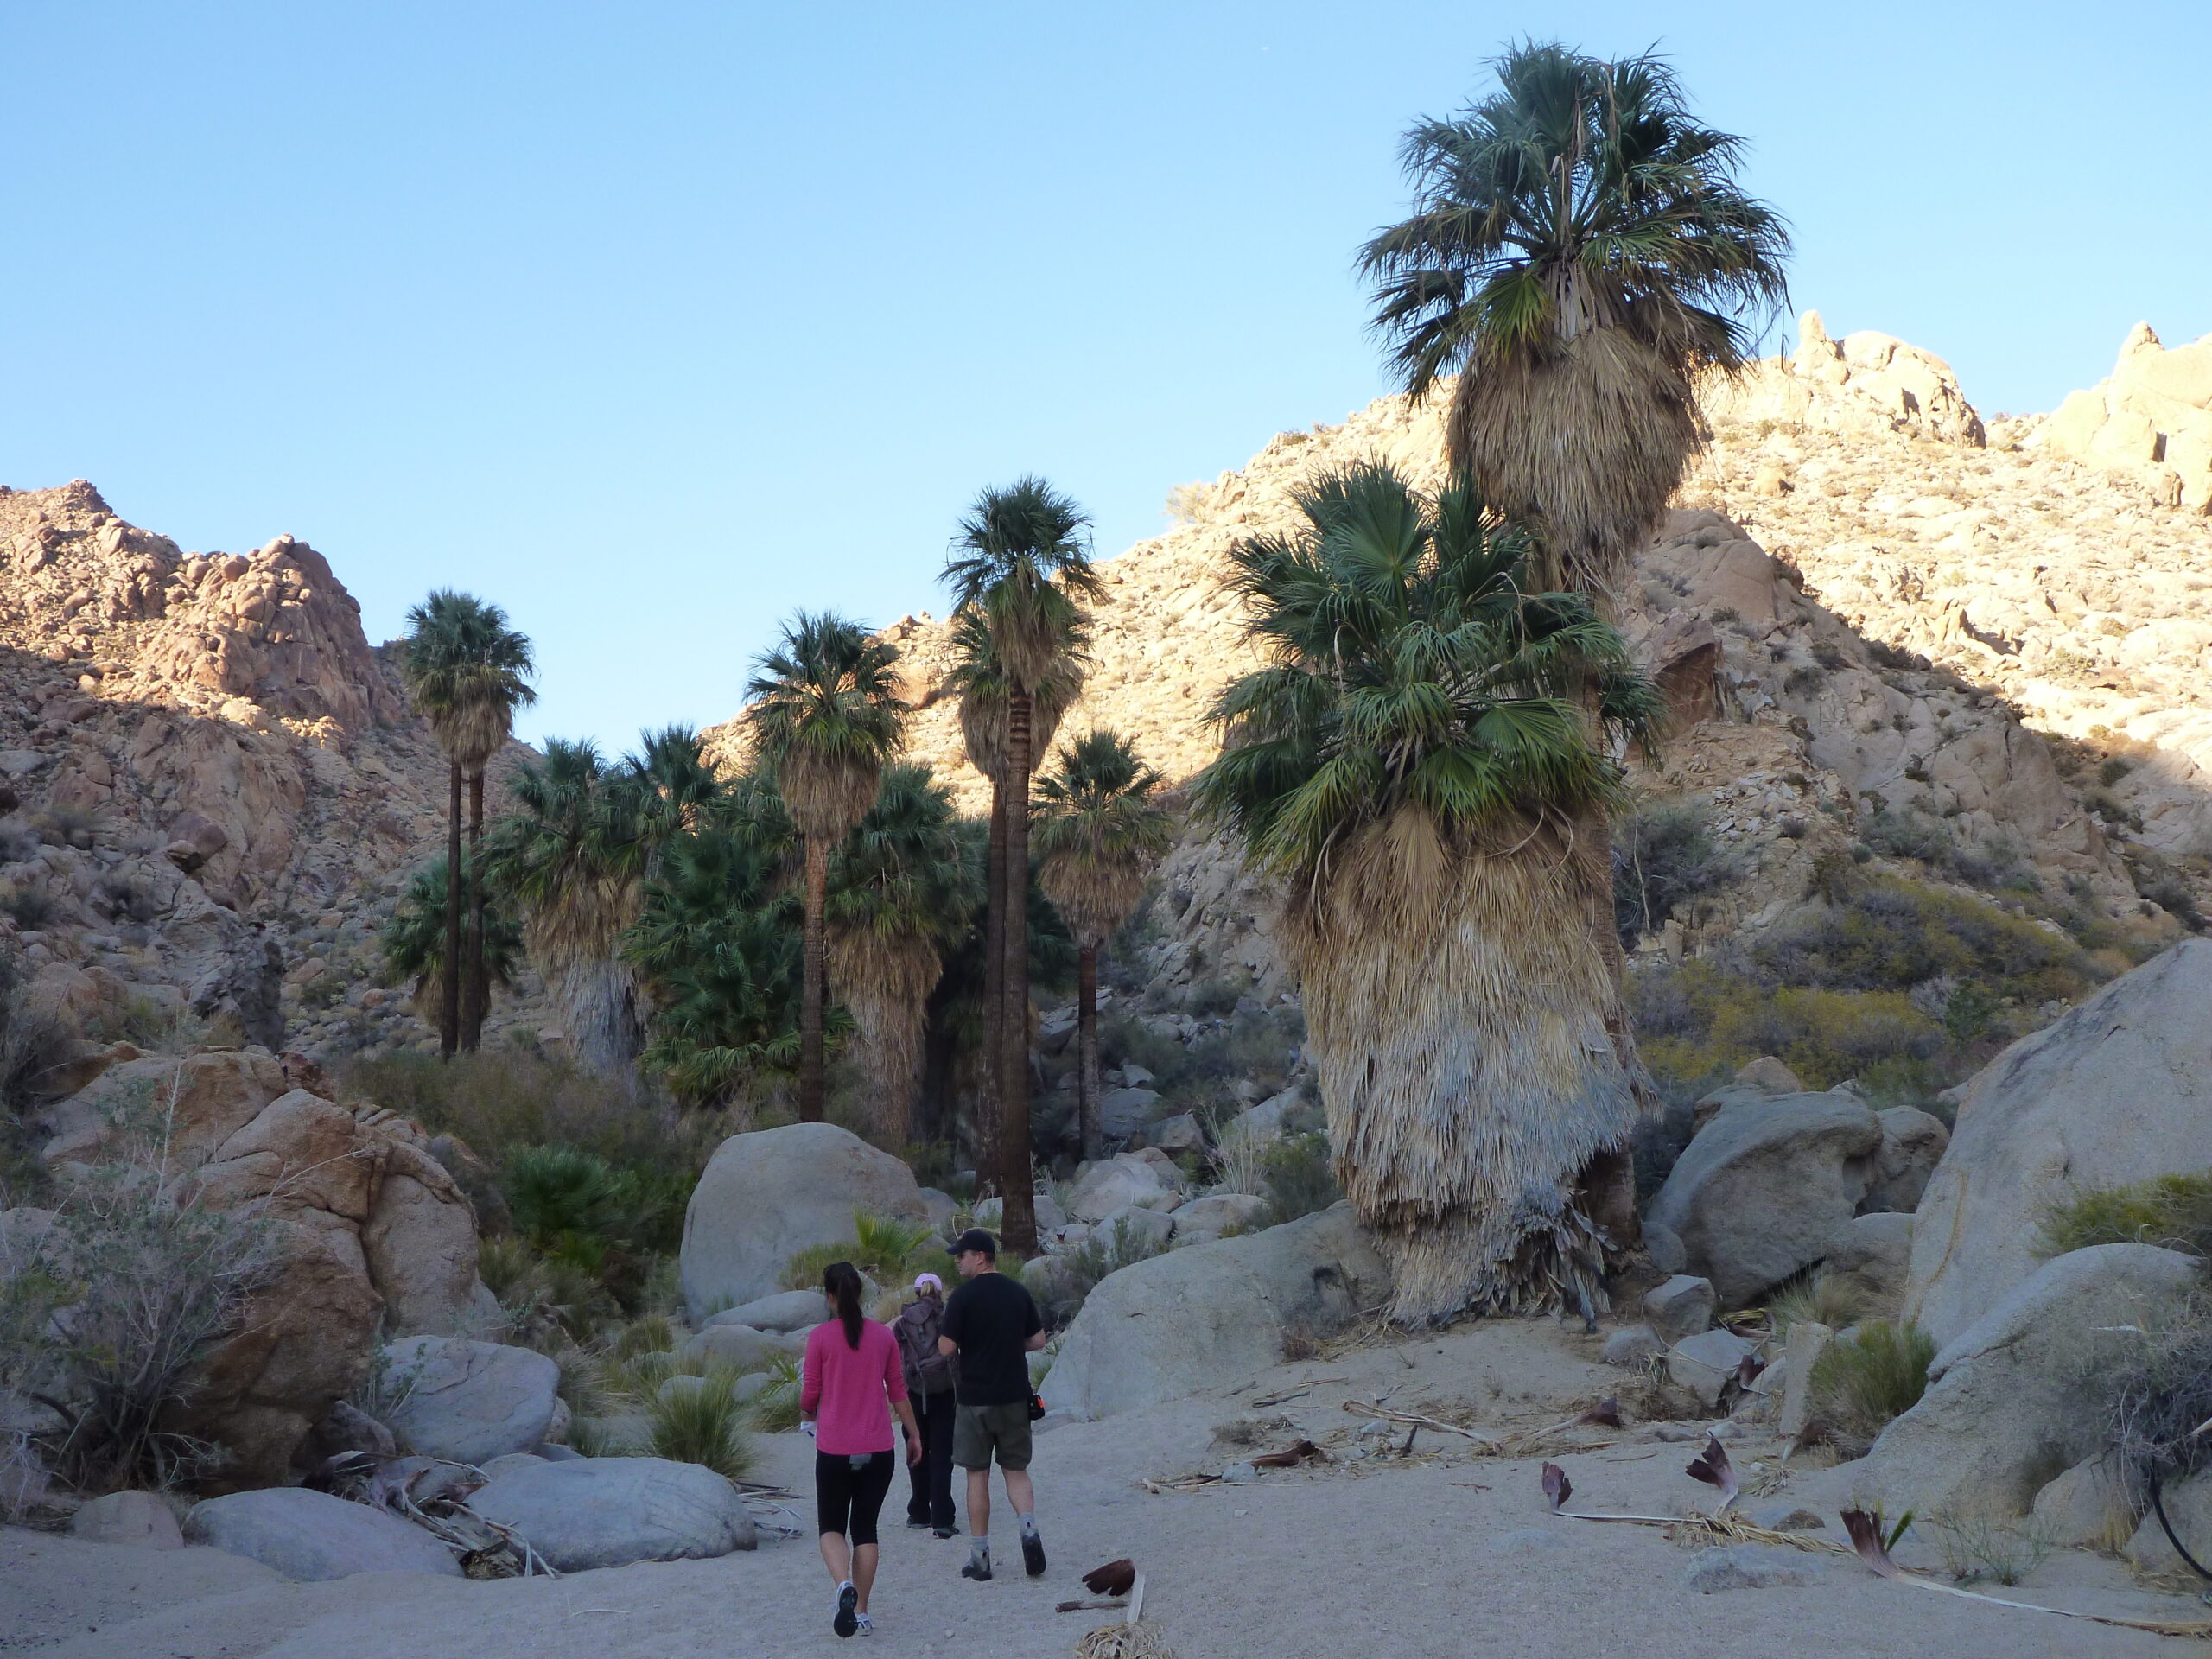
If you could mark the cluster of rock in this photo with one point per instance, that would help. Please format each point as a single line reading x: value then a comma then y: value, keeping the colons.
x: 209, y: 780
x: 2151, y: 420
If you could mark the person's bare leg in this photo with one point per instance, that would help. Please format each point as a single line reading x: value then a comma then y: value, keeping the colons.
x: 1020, y: 1492
x: 863, y: 1575
x: 979, y: 1503
x: 837, y: 1556
x: 1023, y: 1496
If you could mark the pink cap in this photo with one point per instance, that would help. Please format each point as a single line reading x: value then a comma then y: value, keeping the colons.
x: 930, y: 1282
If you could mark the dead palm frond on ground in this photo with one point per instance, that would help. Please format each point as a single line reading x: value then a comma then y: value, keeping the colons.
x: 1413, y: 764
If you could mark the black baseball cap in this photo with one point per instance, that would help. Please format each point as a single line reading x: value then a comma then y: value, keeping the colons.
x: 977, y: 1240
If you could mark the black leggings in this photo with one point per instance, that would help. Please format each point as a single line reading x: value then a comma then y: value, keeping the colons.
x: 847, y: 1499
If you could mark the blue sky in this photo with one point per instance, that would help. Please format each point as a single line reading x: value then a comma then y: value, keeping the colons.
x: 656, y: 321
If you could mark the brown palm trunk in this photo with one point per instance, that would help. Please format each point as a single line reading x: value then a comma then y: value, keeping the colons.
x: 1086, y: 1037
x: 810, y: 971
x: 1016, y: 1181
x: 449, y: 986
x: 988, y: 1122
x: 475, y: 989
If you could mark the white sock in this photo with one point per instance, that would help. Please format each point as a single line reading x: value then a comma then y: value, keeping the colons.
x: 1029, y: 1524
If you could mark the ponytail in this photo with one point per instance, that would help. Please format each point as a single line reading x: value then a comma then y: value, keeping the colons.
x: 841, y: 1282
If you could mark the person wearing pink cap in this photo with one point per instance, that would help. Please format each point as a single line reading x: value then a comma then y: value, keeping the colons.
x: 930, y: 1375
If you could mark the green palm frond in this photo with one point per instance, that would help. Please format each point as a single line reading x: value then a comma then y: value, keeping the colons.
x: 827, y: 718
x: 467, y: 672
x: 1099, y: 830
x: 1410, y: 668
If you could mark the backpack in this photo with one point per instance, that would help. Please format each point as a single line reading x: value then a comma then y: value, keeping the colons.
x: 928, y: 1371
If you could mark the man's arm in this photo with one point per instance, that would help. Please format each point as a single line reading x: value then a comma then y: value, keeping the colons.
x: 1037, y: 1339
x: 947, y: 1346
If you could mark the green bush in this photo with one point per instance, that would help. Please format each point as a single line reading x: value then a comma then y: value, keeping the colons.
x: 2174, y: 1212
x: 775, y: 1408
x: 1860, y: 1383
x: 1811, y: 1298
x: 1662, y: 855
x: 890, y: 1252
x: 1300, y: 1176
x: 1080, y: 1269
x: 703, y: 1425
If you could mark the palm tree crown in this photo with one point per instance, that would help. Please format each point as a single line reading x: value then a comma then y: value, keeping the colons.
x: 467, y: 672
x: 827, y: 717
x: 1579, y: 248
x: 1099, y: 831
x: 1022, y: 561
x: 1411, y: 671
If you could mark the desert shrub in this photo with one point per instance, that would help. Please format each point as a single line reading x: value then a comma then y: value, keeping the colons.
x: 1301, y: 1177
x: 1239, y: 1159
x: 703, y: 1425
x: 1261, y: 1045
x: 2173, y: 1211
x: 1103, y: 1254
x: 1699, y: 1022
x: 1803, y: 681
x: 1810, y: 1298
x: 775, y: 1408
x: 1662, y: 855
x: 1216, y: 995
x: 655, y: 1333
x: 1860, y: 1383
x: 889, y: 1251
x: 65, y: 826
x: 105, y: 1314
x: 1907, y: 834
x: 27, y: 902
x: 1978, y: 1546
x: 557, y: 1193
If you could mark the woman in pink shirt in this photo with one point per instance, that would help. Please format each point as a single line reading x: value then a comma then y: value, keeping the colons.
x: 852, y: 1374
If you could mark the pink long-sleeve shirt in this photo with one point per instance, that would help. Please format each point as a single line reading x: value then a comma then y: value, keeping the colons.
x: 848, y: 1390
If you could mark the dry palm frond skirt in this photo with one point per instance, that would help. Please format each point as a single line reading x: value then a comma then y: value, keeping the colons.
x: 1457, y: 1004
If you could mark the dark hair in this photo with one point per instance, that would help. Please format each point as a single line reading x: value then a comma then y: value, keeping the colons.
x: 841, y: 1282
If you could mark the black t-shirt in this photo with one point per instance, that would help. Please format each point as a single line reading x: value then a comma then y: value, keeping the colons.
x: 991, y: 1318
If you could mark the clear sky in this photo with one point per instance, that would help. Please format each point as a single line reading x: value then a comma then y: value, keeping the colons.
x: 656, y: 321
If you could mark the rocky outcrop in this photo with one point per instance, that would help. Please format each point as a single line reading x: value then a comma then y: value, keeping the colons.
x: 368, y: 1227
x: 1214, y: 1315
x: 2150, y: 421
x: 2007, y: 1410
x: 766, y: 1196
x: 469, y: 1401
x: 2112, y: 1093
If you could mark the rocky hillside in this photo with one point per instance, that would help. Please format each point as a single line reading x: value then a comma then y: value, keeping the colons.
x: 210, y: 779
x: 1903, y: 634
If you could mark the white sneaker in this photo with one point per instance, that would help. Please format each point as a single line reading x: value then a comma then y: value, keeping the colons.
x: 846, y: 1621
x: 864, y: 1625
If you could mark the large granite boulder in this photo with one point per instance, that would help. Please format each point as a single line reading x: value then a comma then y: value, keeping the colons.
x: 469, y: 1402
x: 1764, y: 1188
x: 2013, y: 1401
x: 591, y: 1512
x: 312, y: 1536
x: 1214, y: 1315
x: 1125, y: 1178
x: 2116, y: 1090
x: 769, y: 1194
x: 787, y: 1310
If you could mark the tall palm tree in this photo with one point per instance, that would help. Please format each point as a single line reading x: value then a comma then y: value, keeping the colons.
x: 826, y: 719
x: 467, y: 673
x: 901, y: 894
x: 1021, y: 566
x: 1579, y: 251
x: 1099, y: 832
x: 1413, y: 763
x: 412, y: 941
x: 569, y: 857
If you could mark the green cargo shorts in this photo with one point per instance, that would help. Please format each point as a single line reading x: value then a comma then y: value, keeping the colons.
x: 978, y: 1431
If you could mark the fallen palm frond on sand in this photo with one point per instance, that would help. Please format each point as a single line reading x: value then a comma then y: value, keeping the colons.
x: 1867, y: 1542
x: 1414, y: 1421
x: 1130, y: 1639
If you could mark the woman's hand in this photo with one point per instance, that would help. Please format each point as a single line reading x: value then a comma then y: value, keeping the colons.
x: 914, y: 1447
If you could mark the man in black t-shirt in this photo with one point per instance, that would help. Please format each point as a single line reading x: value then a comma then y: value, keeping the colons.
x: 991, y: 1322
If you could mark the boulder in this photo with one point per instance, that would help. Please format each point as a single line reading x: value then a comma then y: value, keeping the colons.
x: 1770, y: 1074
x: 1680, y: 1307
x: 1180, y: 1133
x: 1664, y: 1246
x: 1214, y: 1315
x: 741, y: 1347
x: 1631, y: 1345
x: 142, y: 1520
x: 942, y: 1208
x: 420, y: 1243
x: 1763, y: 1188
x: 610, y: 1511
x: 1106, y: 1186
x: 510, y: 1462
x: 2010, y: 1404
x: 1749, y: 1567
x: 1134, y: 1226
x: 787, y: 1310
x: 2188, y: 1504
x: 1125, y: 1112
x: 2090, y: 1507
x: 991, y: 1213
x: 1704, y: 1363
x: 1203, y: 1220
x: 1912, y: 1145
x: 2109, y: 1094
x: 1870, y: 1255
x: 470, y: 1401
x: 311, y: 1535
x: 767, y: 1195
